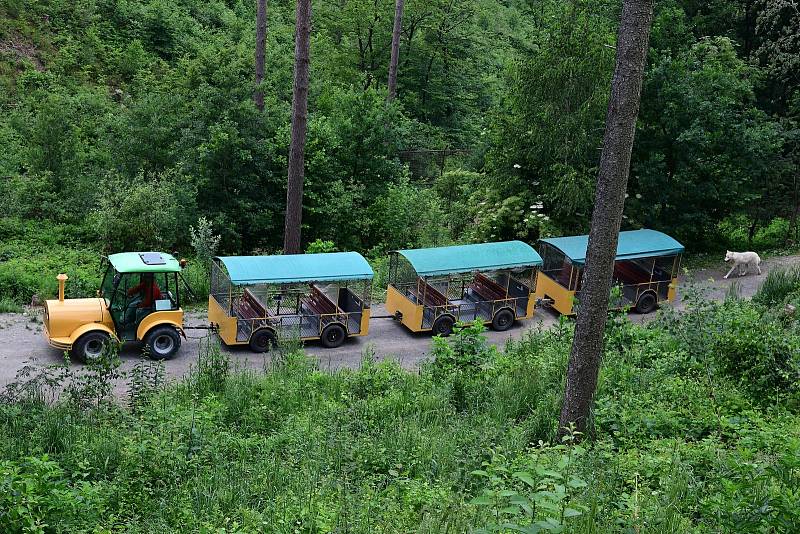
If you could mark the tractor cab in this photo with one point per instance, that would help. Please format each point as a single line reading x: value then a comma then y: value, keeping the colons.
x: 138, y: 300
x: 137, y: 285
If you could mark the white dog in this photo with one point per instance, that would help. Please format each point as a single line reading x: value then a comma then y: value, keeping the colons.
x: 742, y: 258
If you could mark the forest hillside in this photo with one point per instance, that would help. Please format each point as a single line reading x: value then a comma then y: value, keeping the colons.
x: 125, y: 122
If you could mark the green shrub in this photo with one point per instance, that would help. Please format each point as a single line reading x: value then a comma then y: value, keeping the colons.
x: 758, y: 351
x: 198, y: 279
x: 9, y: 306
x: 31, y: 256
x: 778, y: 285
x: 770, y: 237
x: 680, y: 442
x: 36, y: 495
x: 147, y: 213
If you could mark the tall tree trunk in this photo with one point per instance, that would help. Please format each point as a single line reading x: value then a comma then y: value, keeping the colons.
x: 612, y: 180
x: 398, y: 26
x: 261, y: 47
x: 294, y: 190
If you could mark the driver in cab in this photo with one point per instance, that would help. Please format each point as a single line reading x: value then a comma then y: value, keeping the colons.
x: 147, y: 290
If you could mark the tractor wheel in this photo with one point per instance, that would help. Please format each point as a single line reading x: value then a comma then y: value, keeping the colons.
x: 502, y: 320
x: 263, y: 340
x: 443, y: 326
x: 646, y: 303
x: 162, y: 342
x: 333, y: 336
x: 90, y: 346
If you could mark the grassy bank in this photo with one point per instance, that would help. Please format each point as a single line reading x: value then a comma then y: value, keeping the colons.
x: 696, y: 428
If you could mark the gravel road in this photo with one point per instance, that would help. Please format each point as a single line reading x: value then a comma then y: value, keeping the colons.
x: 22, y: 342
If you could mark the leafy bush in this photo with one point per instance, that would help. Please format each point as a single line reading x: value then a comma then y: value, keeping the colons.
x: 204, y: 242
x: 678, y: 443
x: 148, y: 213
x: 36, y: 495
x: 770, y: 237
x: 32, y: 255
x: 778, y: 285
x: 319, y: 246
x: 761, y: 353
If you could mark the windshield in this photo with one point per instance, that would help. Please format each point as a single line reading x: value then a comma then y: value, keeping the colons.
x: 107, y: 287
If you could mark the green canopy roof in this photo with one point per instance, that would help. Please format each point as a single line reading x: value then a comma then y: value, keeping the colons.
x: 466, y: 258
x: 144, y: 262
x: 632, y: 244
x: 291, y: 268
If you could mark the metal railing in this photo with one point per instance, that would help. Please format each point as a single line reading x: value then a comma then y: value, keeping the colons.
x: 302, y: 325
x: 470, y: 311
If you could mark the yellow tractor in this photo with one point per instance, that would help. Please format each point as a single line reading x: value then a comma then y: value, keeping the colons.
x: 138, y: 300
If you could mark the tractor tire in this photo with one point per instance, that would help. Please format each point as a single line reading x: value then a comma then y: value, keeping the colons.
x: 502, y: 320
x: 443, y: 325
x: 263, y: 340
x: 646, y: 303
x: 90, y: 346
x: 162, y: 342
x: 333, y: 336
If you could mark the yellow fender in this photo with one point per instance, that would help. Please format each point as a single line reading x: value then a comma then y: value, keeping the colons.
x: 171, y: 318
x: 91, y: 327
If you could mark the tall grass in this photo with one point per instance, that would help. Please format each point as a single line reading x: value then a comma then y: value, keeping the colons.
x: 778, y: 284
x: 462, y: 445
x: 9, y: 306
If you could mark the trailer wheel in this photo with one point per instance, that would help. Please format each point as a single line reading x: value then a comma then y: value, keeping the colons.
x: 502, y: 320
x: 263, y: 340
x: 89, y: 347
x: 162, y: 342
x: 647, y: 303
x: 443, y: 326
x: 333, y: 336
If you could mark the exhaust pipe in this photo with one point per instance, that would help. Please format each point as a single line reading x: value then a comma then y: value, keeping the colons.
x: 62, y: 278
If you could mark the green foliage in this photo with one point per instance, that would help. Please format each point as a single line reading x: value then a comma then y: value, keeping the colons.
x: 319, y: 246
x: 698, y: 163
x: 204, y: 242
x: 32, y: 255
x: 773, y: 236
x: 536, y: 492
x: 9, y: 306
x: 673, y: 448
x: 544, y: 140
x: 36, y: 495
x: 406, y: 216
x: 779, y: 284
x: 144, y: 214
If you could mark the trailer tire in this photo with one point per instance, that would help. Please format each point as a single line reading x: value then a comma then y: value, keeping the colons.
x: 443, y: 325
x: 502, y: 320
x: 162, y: 342
x: 333, y: 336
x: 90, y: 346
x: 646, y: 303
x: 263, y: 340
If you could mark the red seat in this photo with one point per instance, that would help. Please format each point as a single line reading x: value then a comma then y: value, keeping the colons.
x: 249, y: 306
x: 487, y: 289
x: 319, y: 303
x: 630, y: 273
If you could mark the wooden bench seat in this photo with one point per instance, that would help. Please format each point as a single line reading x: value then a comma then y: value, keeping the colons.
x: 629, y: 273
x: 487, y: 289
x: 249, y: 306
x: 318, y: 303
x: 432, y: 296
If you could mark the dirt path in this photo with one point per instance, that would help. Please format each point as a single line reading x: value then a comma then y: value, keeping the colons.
x: 22, y: 342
